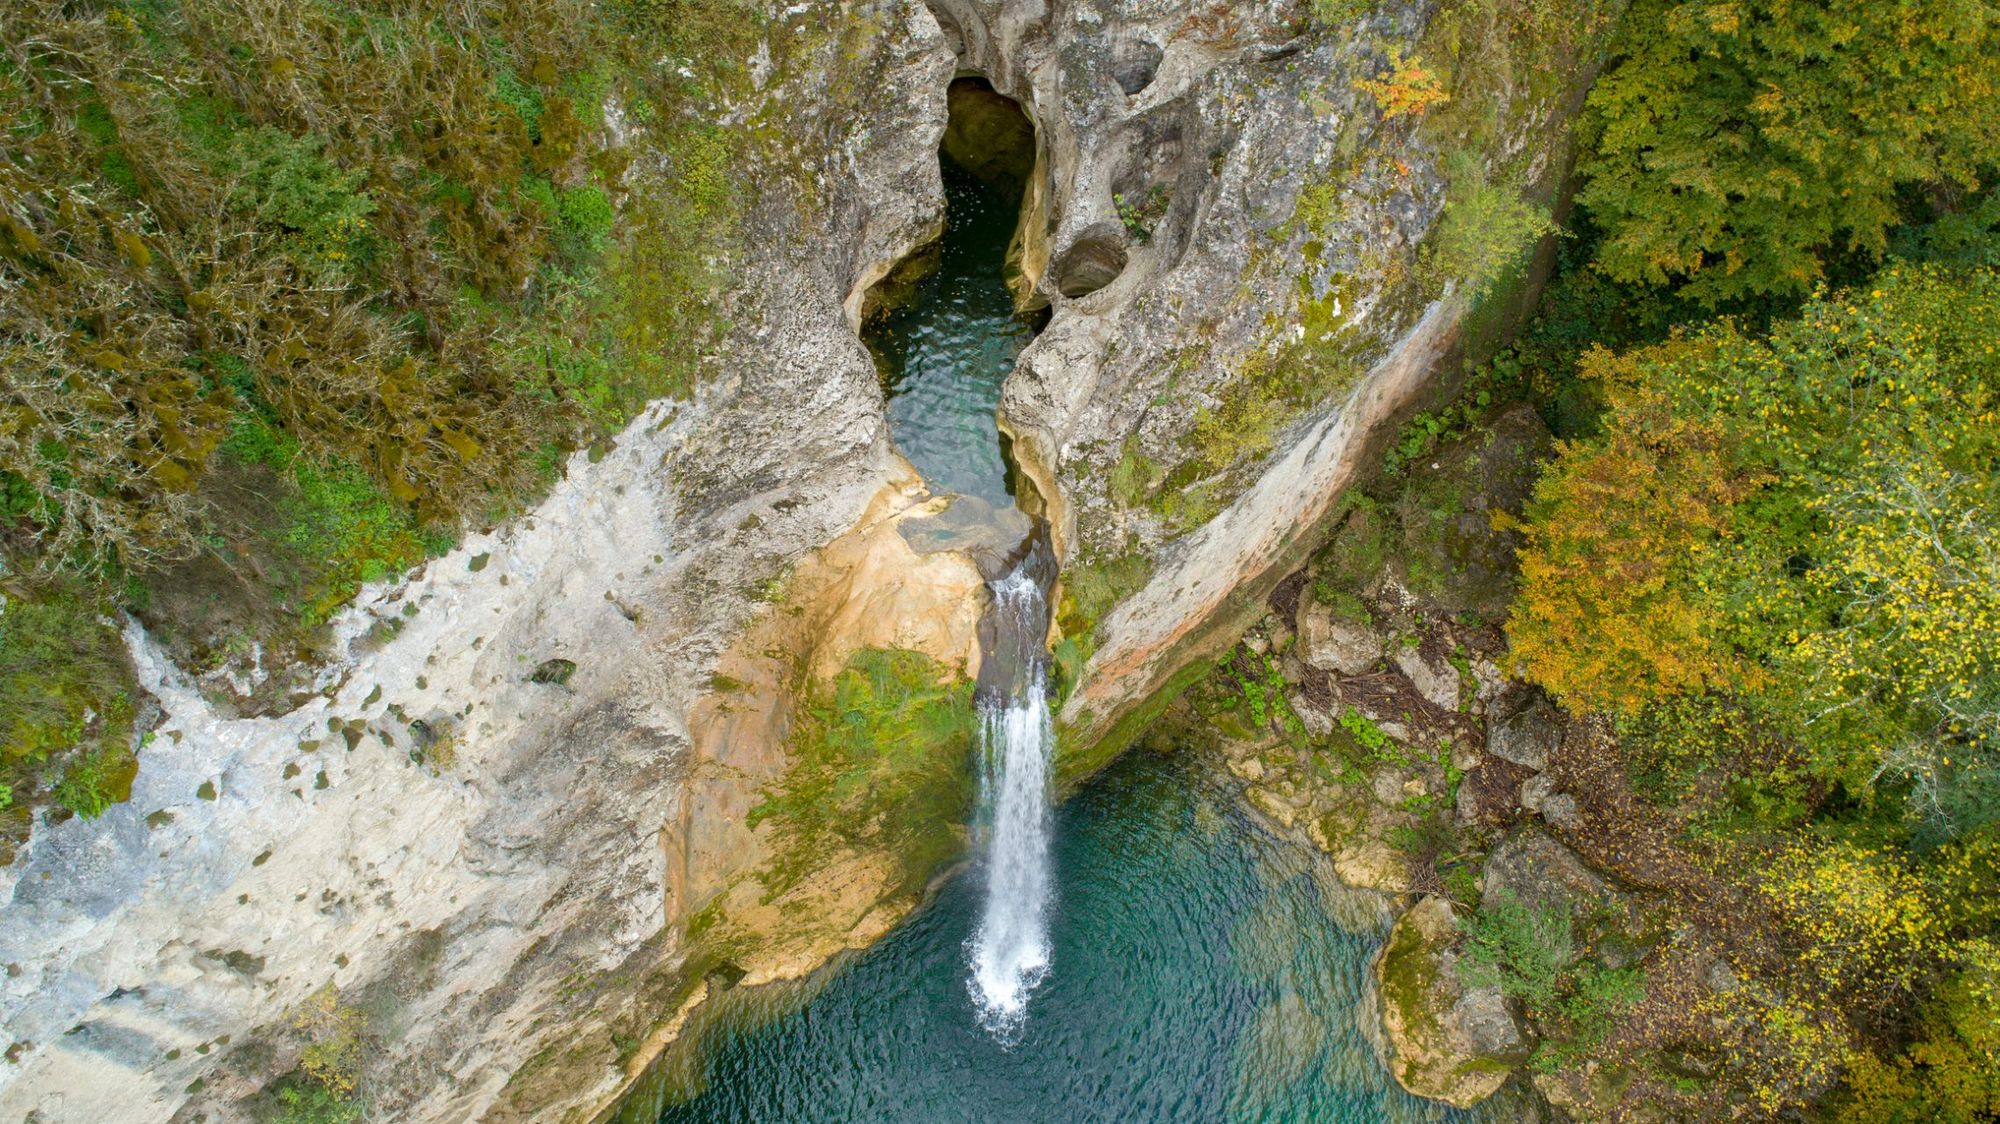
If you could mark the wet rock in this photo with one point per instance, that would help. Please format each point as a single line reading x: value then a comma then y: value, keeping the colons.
x: 994, y: 537
x: 1447, y: 1042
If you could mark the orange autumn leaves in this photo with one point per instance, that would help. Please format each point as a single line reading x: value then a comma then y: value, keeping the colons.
x: 1616, y: 534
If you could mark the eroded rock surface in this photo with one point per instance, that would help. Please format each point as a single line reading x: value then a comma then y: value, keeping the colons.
x: 506, y: 872
x: 452, y: 845
x: 1230, y: 235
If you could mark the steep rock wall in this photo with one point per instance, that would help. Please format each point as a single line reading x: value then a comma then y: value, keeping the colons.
x: 458, y: 858
x: 1251, y: 276
x: 498, y: 877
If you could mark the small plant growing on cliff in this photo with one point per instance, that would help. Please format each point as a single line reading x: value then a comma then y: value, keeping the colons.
x: 1141, y: 214
x: 302, y: 1102
x: 1367, y: 734
x: 332, y: 1032
x: 1409, y: 90
x: 1486, y: 229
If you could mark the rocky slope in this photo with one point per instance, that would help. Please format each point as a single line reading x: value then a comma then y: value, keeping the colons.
x: 514, y: 832
x: 456, y: 849
x: 1252, y: 267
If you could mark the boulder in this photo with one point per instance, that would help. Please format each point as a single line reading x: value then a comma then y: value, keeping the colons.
x: 1436, y: 680
x: 1334, y: 643
x: 1614, y: 926
x: 1367, y: 863
x: 1446, y: 1041
x: 1527, y: 735
x: 1534, y: 869
x: 1538, y: 795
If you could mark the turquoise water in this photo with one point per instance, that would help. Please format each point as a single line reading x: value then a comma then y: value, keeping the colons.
x: 944, y: 356
x: 1199, y: 971
x: 1202, y: 972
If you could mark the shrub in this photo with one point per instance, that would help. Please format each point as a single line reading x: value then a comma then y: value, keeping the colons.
x: 1485, y: 231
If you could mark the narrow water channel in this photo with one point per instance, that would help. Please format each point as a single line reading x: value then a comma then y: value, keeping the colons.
x: 1162, y: 959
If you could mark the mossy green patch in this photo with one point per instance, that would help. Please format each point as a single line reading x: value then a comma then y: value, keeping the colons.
x: 880, y: 760
x: 66, y: 690
x: 1093, y: 584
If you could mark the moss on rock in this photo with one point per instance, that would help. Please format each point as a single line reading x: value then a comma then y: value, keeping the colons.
x: 880, y: 759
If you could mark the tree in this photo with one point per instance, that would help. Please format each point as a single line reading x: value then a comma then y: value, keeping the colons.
x: 1809, y: 519
x: 1735, y: 146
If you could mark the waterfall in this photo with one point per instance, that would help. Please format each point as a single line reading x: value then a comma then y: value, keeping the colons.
x: 1010, y: 949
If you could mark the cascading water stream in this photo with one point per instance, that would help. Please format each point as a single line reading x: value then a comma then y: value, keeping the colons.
x: 1010, y: 949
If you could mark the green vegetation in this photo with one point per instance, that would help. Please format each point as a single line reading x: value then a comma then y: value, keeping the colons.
x: 1091, y: 585
x: 1530, y: 954
x: 881, y: 758
x: 1765, y: 547
x: 1803, y: 519
x: 290, y: 300
x: 1485, y: 232
x: 1742, y: 149
x: 331, y: 1037
x: 65, y: 707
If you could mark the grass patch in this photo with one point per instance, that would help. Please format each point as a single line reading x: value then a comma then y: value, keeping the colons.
x: 66, y: 691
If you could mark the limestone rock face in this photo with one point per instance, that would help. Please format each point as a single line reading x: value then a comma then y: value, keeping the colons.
x: 487, y: 865
x: 1215, y: 201
x: 1446, y: 1041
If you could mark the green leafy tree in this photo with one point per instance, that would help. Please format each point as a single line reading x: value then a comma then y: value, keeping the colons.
x: 1808, y: 519
x: 1737, y: 145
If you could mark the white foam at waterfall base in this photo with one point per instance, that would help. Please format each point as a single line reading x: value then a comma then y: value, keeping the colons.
x: 1010, y: 949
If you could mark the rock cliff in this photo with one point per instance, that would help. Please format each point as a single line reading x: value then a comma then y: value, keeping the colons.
x: 502, y: 845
